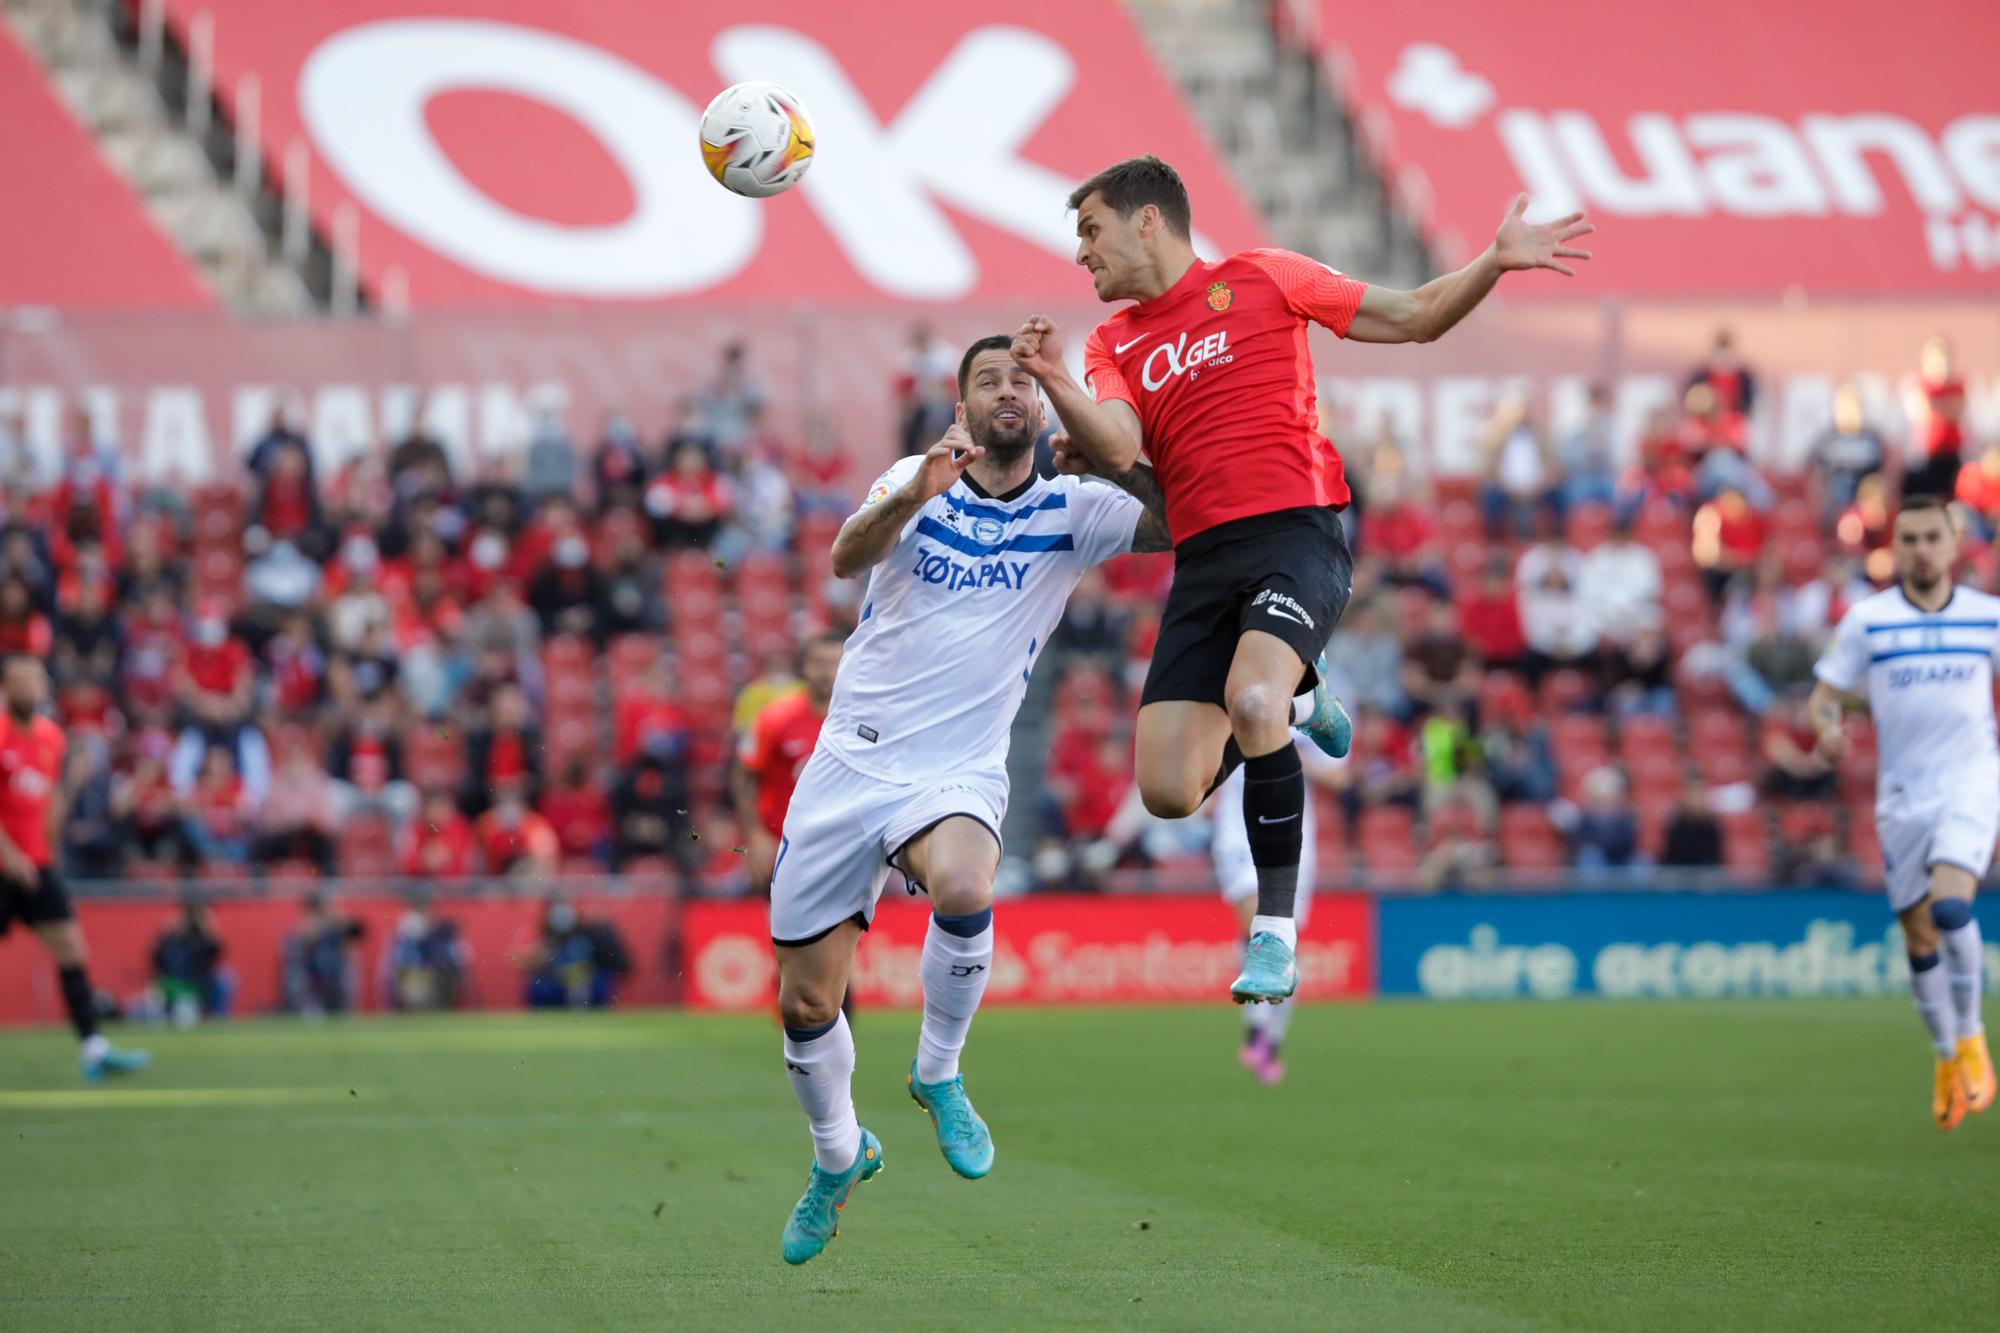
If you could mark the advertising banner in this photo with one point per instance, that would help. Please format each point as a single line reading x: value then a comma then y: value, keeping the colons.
x: 1721, y: 147
x: 502, y: 152
x: 1648, y: 945
x: 1155, y: 948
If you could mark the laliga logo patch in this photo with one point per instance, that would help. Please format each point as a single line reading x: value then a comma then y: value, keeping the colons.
x: 877, y: 495
x: 1219, y: 296
x: 987, y: 530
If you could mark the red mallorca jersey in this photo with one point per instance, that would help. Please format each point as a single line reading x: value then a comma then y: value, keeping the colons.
x: 779, y: 743
x: 1218, y: 369
x: 30, y: 766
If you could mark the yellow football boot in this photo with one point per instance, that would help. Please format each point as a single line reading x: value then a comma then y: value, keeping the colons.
x: 1975, y: 1072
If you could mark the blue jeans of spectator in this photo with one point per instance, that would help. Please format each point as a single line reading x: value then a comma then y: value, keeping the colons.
x: 1501, y: 510
x: 1583, y: 488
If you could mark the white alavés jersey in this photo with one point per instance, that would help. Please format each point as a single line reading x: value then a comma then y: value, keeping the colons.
x: 1928, y: 678
x: 953, y: 618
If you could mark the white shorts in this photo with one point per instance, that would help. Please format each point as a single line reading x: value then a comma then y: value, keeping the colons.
x: 1229, y: 845
x: 844, y: 831
x: 1959, y: 833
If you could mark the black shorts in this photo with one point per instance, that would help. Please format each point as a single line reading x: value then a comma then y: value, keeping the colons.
x: 33, y: 907
x: 1288, y: 574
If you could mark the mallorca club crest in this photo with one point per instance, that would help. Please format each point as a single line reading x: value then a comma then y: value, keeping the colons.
x: 1219, y: 296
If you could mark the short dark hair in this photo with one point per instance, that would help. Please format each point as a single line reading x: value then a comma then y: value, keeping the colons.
x: 992, y: 342
x: 1922, y: 502
x: 1130, y: 185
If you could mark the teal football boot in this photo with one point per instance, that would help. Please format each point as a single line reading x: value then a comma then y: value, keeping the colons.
x: 816, y: 1219
x: 962, y: 1136
x: 1329, y: 727
x: 1270, y: 972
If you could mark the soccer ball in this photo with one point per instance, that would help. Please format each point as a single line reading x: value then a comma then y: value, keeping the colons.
x: 757, y: 139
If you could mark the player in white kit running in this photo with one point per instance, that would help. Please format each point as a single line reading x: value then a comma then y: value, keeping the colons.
x: 972, y: 558
x: 1264, y: 1025
x: 1920, y: 657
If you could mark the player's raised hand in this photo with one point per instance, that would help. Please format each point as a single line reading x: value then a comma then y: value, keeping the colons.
x: 1068, y: 460
x: 1519, y: 244
x: 1038, y: 347
x: 947, y: 460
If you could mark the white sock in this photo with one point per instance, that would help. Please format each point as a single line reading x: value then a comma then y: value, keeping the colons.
x: 954, y: 971
x: 1933, y: 993
x: 95, y: 1047
x: 1964, y: 963
x: 1281, y: 926
x: 822, y: 1074
x: 1302, y: 709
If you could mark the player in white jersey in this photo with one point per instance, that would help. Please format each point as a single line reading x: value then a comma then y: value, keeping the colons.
x: 1920, y: 657
x: 1264, y: 1025
x: 971, y: 557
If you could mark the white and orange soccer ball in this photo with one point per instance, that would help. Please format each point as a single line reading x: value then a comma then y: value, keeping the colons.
x: 757, y: 139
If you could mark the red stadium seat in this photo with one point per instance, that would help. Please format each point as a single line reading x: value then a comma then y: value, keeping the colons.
x: 1528, y: 841
x: 1579, y: 738
x: 364, y: 850
x: 433, y: 756
x: 1386, y: 840
x: 1745, y: 847
x: 1800, y: 822
x: 1563, y: 690
x: 1330, y: 829
x: 1452, y: 823
x: 1503, y: 694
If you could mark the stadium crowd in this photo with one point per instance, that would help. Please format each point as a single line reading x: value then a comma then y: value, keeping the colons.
x: 1567, y: 664
x: 545, y: 662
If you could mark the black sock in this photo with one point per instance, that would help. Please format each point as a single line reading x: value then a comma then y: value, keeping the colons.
x: 82, y: 1005
x: 1232, y: 759
x: 1274, y: 805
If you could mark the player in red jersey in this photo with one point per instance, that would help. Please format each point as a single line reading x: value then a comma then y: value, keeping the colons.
x: 31, y: 816
x: 1209, y: 377
x: 776, y: 747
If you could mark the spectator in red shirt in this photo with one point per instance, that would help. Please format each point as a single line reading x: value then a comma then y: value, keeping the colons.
x: 513, y: 839
x: 819, y: 468
x: 1728, y: 537
x: 690, y: 503
x: 365, y: 760
x: 153, y: 649
x: 504, y: 750
x: 1793, y: 764
x: 219, y: 811
x: 23, y: 629
x: 285, y: 504
x: 1730, y: 385
x: 216, y: 673
x: 1978, y: 488
x: 297, y: 668
x: 299, y: 813
x: 1088, y: 795
x: 650, y: 718
x: 1938, y: 412
x: 1489, y: 616
x: 577, y: 810
x: 440, y: 840
x: 775, y: 749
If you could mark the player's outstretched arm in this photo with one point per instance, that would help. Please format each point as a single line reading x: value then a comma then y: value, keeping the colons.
x: 1428, y: 313
x: 1137, y: 481
x: 868, y: 536
x: 1106, y: 433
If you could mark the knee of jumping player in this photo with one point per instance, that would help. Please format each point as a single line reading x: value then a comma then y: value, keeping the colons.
x: 1260, y: 718
x: 959, y: 890
x: 803, y: 1007
x: 1171, y: 796
x: 1920, y: 932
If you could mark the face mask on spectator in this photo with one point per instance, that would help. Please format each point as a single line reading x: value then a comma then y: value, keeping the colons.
x: 360, y: 554
x: 572, y: 552
x: 489, y: 549
x: 210, y: 633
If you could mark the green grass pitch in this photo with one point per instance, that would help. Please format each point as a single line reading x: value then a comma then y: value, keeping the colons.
x: 1752, y: 1165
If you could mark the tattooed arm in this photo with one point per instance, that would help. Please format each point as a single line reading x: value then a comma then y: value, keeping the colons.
x: 1136, y: 481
